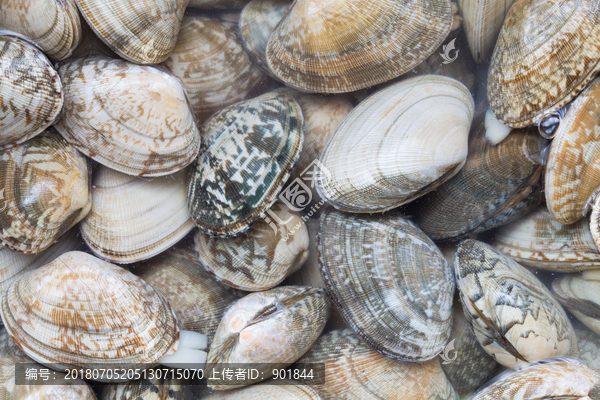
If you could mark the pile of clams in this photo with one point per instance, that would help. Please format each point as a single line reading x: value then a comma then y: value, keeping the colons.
x: 300, y: 199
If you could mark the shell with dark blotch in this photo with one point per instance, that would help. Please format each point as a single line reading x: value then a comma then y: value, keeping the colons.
x: 580, y: 294
x: 144, y: 389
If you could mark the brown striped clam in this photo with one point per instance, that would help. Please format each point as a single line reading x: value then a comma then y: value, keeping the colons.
x: 390, y: 282
x: 144, y: 389
x: 514, y: 316
x: 45, y: 188
x: 134, y: 119
x: 580, y: 294
x: 397, y: 145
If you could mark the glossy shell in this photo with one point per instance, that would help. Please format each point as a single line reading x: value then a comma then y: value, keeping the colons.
x: 144, y: 389
x: 134, y: 119
x: 389, y: 281
x: 580, y: 294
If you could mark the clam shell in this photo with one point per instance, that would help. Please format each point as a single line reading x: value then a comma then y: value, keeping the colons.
x: 589, y: 346
x: 514, y: 317
x: 52, y: 25
x: 594, y: 223
x: 144, y: 389
x: 91, y: 45
x: 247, y: 154
x: 217, y: 4
x: 573, y: 167
x: 397, y: 145
x: 45, y: 187
x: 134, y: 119
x: 212, y: 64
x: 545, y: 55
x: 283, y: 390
x: 276, y: 326
x: 79, y: 311
x: 389, y: 281
x: 580, y: 294
x: 31, y: 94
x: 133, y: 219
x: 342, y: 46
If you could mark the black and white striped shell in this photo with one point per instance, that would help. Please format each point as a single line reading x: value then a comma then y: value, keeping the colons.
x: 390, y: 282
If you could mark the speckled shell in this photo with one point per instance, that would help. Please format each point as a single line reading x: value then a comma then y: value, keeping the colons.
x: 132, y: 218
x: 397, y: 145
x: 53, y: 25
x: 494, y: 187
x: 341, y: 46
x: 217, y: 4
x: 115, y: 316
x: 134, y: 119
x: 589, y: 345
x: 354, y: 371
x: 580, y: 294
x: 514, y: 317
x: 212, y: 64
x: 31, y: 95
x: 276, y: 326
x: 389, y: 281
x: 573, y: 167
x: 142, y: 32
x: 538, y: 240
x: 45, y: 190
x: 291, y: 390
x: 559, y: 379
x: 247, y: 154
x: 546, y: 53
x: 144, y: 389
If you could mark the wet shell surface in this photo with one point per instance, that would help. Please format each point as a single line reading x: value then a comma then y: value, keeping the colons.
x: 546, y: 53
x: 397, y: 145
x: 354, y: 371
x: 133, y: 218
x: 390, y: 282
x: 580, y: 294
x: 31, y: 95
x: 134, y: 119
x: 573, y: 167
x: 115, y: 316
x: 276, y: 326
x: 212, y: 64
x: 342, y: 46
x: 514, y: 317
x: 46, y: 190
x: 144, y: 389
x: 247, y: 154
x: 284, y: 390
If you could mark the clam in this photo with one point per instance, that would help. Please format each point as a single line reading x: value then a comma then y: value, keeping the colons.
x: 589, y: 346
x: 247, y: 154
x: 274, y: 327
x: 342, y: 46
x: 52, y: 25
x: 134, y: 119
x: 282, y: 390
x: 217, y: 4
x: 91, y: 45
x: 546, y: 53
x: 46, y: 190
x: 211, y: 62
x: 580, y: 294
x: 397, y: 145
x: 145, y: 389
x: 514, y: 317
x: 390, y: 282
x: 31, y: 94
x: 594, y: 223
x: 132, y: 218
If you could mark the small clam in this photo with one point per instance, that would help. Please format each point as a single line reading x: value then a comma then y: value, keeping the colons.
x: 46, y: 190
x: 134, y: 218
x: 580, y: 294
x: 247, y: 154
x: 397, y: 145
x: 514, y: 317
x: 390, y: 282
x: 134, y: 119
x: 31, y: 95
x: 145, y: 389
x: 283, y: 390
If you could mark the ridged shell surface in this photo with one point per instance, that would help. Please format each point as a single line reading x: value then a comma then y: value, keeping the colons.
x: 134, y: 119
x: 390, y: 282
x: 514, y: 316
x: 580, y: 294
x: 31, y: 94
x: 341, y: 46
x: 397, y: 145
x: 546, y: 53
x: 46, y: 190
x: 79, y: 311
x: 133, y: 218
x: 144, y: 389
x: 247, y: 154
x: 291, y: 390
x: 589, y: 346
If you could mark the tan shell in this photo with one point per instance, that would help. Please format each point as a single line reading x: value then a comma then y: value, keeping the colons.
x: 46, y: 190
x: 217, y: 4
x: 212, y: 64
x: 115, y: 316
x: 134, y: 119
x: 53, y: 25
x: 545, y: 55
x: 145, y: 389
x: 345, y: 45
x: 580, y: 294
x: 31, y: 94
x: 283, y: 390
x: 132, y: 218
